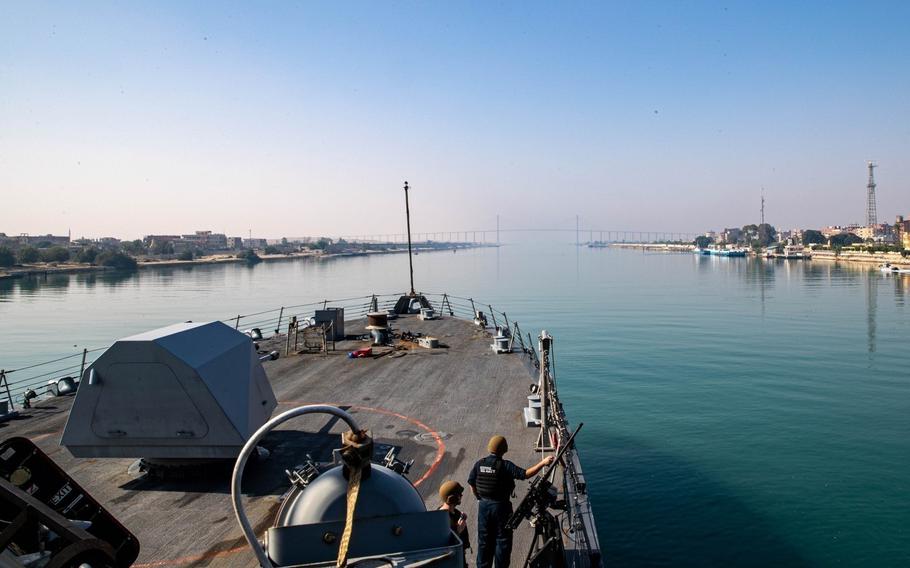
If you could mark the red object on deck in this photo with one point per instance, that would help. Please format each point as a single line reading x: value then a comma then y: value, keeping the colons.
x: 361, y: 353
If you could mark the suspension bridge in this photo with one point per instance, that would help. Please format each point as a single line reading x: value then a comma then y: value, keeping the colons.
x: 495, y: 236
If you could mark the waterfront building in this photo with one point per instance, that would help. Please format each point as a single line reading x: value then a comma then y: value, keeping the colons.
x: 206, y: 240
x: 235, y: 243
x: 255, y: 243
x: 866, y: 232
x: 796, y: 235
x: 34, y: 240
x: 181, y: 246
x: 103, y: 242
x: 902, y: 231
x: 158, y: 241
x: 881, y: 232
x: 831, y: 230
x: 731, y: 235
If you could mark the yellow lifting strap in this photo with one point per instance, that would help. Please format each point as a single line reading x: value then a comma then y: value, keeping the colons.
x: 356, y: 452
x: 353, y: 491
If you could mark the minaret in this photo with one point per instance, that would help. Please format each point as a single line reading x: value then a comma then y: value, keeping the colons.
x: 762, y: 206
x: 871, y: 215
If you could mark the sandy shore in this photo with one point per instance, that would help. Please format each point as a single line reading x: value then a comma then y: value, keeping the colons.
x: 73, y: 268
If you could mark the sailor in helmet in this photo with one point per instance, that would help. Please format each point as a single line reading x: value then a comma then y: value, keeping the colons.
x: 450, y: 492
x: 492, y: 480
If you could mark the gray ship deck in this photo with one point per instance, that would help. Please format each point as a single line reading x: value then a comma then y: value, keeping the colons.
x: 440, y: 406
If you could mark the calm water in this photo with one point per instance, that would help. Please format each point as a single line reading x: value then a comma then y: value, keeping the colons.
x: 737, y: 412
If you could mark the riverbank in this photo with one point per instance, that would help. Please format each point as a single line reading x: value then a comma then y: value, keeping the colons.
x: 667, y: 247
x: 855, y: 257
x: 862, y: 257
x: 74, y: 268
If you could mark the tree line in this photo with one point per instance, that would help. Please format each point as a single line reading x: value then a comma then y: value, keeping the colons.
x: 57, y: 254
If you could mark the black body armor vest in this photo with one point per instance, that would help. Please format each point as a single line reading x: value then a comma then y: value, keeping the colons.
x: 493, y: 481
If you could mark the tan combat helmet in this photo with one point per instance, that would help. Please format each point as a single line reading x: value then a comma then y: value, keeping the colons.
x: 498, y: 445
x: 449, y: 488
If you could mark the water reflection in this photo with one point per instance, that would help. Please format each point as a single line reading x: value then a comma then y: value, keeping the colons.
x: 901, y: 283
x: 577, y: 263
x: 757, y: 273
x: 871, y: 304
x: 761, y: 274
x: 28, y: 285
x: 818, y: 273
x: 6, y: 289
x: 115, y: 278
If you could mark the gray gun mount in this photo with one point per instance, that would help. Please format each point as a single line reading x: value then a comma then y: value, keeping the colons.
x: 186, y: 391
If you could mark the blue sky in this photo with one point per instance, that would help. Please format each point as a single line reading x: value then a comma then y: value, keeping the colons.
x: 305, y: 118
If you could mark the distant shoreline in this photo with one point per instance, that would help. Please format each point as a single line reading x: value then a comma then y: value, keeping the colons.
x: 75, y: 268
x: 856, y: 257
x: 852, y: 257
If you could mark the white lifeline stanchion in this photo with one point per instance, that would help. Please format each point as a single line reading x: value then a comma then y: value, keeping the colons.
x: 240, y: 464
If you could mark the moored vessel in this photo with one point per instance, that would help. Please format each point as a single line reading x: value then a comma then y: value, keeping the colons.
x: 726, y: 252
x: 789, y: 252
x: 889, y: 268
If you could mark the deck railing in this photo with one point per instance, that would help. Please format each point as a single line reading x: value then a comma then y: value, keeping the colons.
x: 16, y: 383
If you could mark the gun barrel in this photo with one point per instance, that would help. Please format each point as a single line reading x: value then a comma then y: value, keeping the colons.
x: 565, y: 447
x: 526, y: 505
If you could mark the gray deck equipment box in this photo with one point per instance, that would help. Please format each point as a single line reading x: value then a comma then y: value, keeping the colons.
x: 186, y: 391
x: 335, y: 316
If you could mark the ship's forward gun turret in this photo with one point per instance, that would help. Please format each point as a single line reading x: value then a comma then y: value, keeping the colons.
x: 186, y: 391
x: 354, y: 511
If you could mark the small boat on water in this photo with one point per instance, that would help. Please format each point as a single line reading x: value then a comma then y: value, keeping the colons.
x: 726, y: 251
x: 889, y: 268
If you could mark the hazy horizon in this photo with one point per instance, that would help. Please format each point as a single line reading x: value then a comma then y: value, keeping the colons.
x: 305, y: 120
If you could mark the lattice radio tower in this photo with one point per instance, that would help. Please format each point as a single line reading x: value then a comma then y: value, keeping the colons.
x: 871, y: 215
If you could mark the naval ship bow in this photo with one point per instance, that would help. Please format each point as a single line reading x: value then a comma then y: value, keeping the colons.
x: 326, y: 436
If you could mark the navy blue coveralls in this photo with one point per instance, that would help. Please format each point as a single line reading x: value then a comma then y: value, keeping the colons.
x: 494, y: 479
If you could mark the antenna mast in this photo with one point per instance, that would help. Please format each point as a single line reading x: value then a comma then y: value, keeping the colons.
x: 763, y: 206
x: 871, y: 215
x: 407, y: 212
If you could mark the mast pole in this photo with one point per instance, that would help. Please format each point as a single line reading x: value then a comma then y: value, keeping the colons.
x: 407, y: 211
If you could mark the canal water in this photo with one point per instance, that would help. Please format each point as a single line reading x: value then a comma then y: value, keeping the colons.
x: 737, y: 412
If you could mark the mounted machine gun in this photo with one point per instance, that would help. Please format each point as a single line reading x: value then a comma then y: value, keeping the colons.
x: 547, y: 548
